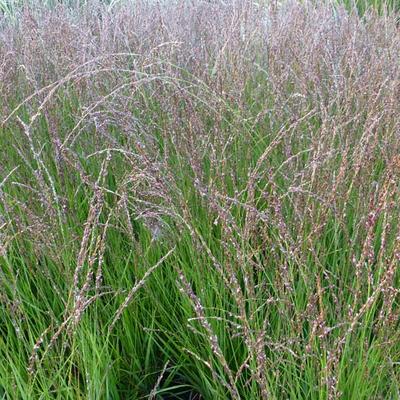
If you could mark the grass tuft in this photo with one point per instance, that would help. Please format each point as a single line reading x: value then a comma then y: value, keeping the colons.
x: 199, y: 200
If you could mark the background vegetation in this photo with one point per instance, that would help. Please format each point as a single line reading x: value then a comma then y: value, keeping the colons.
x: 199, y: 200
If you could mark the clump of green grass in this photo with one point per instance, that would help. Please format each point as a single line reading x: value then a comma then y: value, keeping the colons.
x: 380, y: 6
x: 199, y: 201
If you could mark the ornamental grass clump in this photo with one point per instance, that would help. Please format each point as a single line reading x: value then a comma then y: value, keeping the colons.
x: 199, y: 200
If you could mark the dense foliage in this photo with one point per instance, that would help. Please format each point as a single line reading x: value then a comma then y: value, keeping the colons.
x: 199, y: 200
